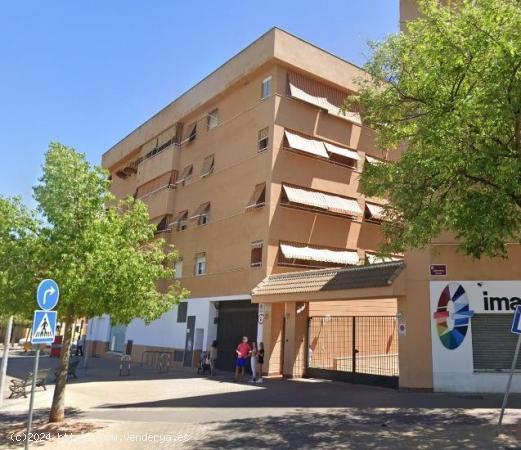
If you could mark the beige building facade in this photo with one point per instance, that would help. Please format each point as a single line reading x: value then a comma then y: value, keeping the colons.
x: 252, y: 172
x: 254, y: 176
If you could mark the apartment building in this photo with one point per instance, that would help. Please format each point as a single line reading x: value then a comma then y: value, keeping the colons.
x: 252, y: 172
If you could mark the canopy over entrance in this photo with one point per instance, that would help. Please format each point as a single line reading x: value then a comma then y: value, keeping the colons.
x: 370, y: 281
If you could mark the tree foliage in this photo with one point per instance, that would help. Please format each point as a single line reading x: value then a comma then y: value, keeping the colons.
x: 448, y: 90
x: 19, y: 268
x: 102, y: 252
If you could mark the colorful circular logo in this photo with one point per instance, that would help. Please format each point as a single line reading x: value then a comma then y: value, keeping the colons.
x: 453, y: 315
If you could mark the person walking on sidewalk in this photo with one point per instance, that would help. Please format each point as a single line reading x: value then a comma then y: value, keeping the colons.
x: 260, y: 361
x: 213, y: 358
x: 253, y: 362
x: 243, y: 352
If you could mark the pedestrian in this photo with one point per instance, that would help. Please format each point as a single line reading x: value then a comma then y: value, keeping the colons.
x: 253, y: 362
x: 79, y: 347
x: 243, y: 352
x: 260, y: 360
x: 213, y: 358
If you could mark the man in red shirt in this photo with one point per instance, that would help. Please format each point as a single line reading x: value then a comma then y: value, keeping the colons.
x: 243, y: 351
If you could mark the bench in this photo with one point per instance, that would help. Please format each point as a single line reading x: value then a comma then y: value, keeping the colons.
x: 19, y: 387
x: 71, y: 369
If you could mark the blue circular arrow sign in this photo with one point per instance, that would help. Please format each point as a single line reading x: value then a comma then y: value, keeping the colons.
x: 47, y: 294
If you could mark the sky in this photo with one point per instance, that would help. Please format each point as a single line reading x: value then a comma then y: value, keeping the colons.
x: 86, y: 73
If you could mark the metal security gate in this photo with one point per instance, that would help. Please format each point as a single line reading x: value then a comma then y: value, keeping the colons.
x: 356, y: 349
x: 236, y: 319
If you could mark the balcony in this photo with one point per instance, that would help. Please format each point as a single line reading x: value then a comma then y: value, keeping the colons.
x: 156, y: 165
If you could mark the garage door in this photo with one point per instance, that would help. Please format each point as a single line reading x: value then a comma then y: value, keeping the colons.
x: 236, y: 319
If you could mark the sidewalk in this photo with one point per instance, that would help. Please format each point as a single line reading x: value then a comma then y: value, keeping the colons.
x: 181, y: 410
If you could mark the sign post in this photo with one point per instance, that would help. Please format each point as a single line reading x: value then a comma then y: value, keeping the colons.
x: 516, y: 329
x: 43, y: 332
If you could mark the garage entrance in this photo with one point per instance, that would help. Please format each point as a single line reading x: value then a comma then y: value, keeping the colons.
x: 357, y: 349
x: 236, y: 319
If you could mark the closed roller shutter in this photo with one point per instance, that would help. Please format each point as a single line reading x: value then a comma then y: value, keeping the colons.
x: 493, y: 343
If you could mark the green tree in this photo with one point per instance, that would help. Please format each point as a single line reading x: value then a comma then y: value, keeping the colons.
x: 102, y: 253
x: 448, y: 90
x: 18, y: 268
x: 19, y: 244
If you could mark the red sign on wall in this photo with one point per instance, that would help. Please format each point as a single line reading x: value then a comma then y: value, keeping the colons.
x: 438, y: 269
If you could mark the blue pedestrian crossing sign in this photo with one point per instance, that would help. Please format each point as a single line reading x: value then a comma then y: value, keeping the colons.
x: 516, y: 323
x: 44, y: 327
x: 47, y: 294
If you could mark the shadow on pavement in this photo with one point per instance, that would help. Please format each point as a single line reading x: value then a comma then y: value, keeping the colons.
x: 13, y: 425
x: 365, y: 430
x: 320, y: 394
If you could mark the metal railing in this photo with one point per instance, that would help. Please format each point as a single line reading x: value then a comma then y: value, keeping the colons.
x: 157, y: 359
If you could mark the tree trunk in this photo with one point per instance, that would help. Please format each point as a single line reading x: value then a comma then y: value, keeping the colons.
x: 57, y: 413
x: 3, y: 370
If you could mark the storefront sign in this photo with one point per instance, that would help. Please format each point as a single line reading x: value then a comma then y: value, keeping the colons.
x: 455, y: 307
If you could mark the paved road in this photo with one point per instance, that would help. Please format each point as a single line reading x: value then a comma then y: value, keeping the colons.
x: 181, y: 410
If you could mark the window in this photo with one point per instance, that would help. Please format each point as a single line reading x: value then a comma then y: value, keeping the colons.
x: 266, y: 88
x: 256, y: 254
x: 200, y: 264
x: 182, y: 312
x: 263, y: 140
x: 178, y: 267
x: 181, y: 221
x: 212, y: 120
x: 205, y: 216
x: 208, y: 164
x: 193, y: 132
x: 258, y: 198
x: 202, y: 214
x: 186, y: 175
x: 164, y: 224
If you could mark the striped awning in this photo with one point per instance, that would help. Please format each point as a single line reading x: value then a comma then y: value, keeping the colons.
x: 328, y: 202
x: 347, y: 153
x: 305, y: 197
x: 307, y: 90
x: 321, y: 95
x: 187, y: 173
x: 372, y: 160
x: 166, y: 180
x: 343, y: 257
x: 208, y: 164
x: 305, y: 144
x: 203, y: 207
x: 373, y: 258
x: 181, y: 216
x: 376, y: 211
x: 342, y: 205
